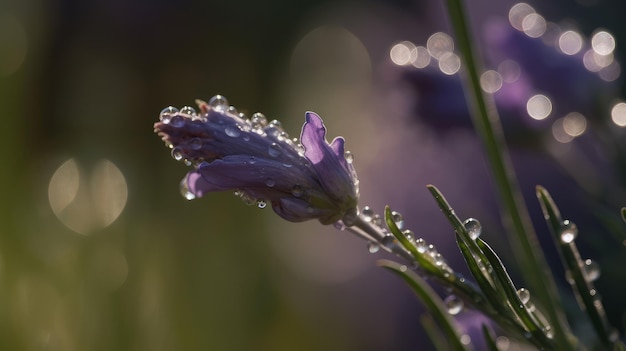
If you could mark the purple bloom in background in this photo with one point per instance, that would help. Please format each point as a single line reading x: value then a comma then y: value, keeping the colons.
x: 258, y: 160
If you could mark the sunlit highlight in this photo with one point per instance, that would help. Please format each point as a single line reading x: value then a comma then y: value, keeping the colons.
x: 574, y: 124
x: 421, y: 58
x: 558, y: 132
x: 86, y: 204
x: 491, y: 81
x: 403, y: 53
x: 439, y: 44
x: 449, y: 63
x: 518, y: 13
x: 539, y: 107
x: 534, y: 25
x: 570, y: 42
x: 509, y: 71
x: 603, y: 43
x: 618, y: 114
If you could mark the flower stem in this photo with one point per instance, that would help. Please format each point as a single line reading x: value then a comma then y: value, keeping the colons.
x: 486, y: 121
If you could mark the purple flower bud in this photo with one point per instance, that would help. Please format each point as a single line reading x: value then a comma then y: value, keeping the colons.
x: 261, y: 163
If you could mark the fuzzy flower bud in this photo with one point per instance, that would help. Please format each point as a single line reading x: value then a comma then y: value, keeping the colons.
x: 259, y: 161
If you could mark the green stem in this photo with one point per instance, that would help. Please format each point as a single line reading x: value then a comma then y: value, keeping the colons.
x: 487, y: 124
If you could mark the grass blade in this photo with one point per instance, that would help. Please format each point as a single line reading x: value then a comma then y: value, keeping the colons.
x: 431, y: 300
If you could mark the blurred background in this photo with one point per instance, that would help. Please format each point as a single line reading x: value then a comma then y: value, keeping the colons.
x: 98, y: 250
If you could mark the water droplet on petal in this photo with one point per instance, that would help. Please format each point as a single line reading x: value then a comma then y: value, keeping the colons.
x: 297, y: 191
x: 177, y: 121
x: 270, y: 182
x: 219, y: 103
x: 591, y: 270
x: 184, y: 190
x: 188, y: 110
x: 167, y: 113
x: 421, y: 245
x: 373, y: 247
x: 196, y: 143
x: 232, y: 110
x: 454, y: 304
x: 524, y: 295
x: 473, y: 228
x: 247, y: 199
x: 177, y: 153
x: 261, y: 204
x: 397, y: 219
x: 569, y: 232
x: 275, y: 124
x: 232, y: 131
x: 348, y: 156
x: 274, y: 150
x: 258, y: 120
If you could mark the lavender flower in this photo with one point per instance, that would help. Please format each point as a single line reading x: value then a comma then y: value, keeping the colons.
x: 261, y: 163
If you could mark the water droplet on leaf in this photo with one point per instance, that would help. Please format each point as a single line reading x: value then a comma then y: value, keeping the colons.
x: 421, y: 245
x: 473, y: 227
x: 569, y: 232
x: 524, y: 295
x: 454, y: 304
x: 591, y: 270
x: 397, y: 219
x: 373, y: 247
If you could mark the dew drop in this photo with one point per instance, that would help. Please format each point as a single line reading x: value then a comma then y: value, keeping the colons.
x: 275, y: 124
x: 177, y: 153
x: 247, y: 199
x: 349, y: 218
x: 297, y: 191
x: 367, y: 213
x: 261, y: 204
x: 569, y: 232
x: 409, y: 235
x: 439, y: 260
x: 270, y: 182
x: 390, y: 242
x: 548, y: 331
x: 421, y: 245
x: 188, y: 110
x: 283, y: 136
x: 177, y: 121
x: 167, y: 113
x: 232, y: 131
x: 274, y: 150
x: 591, y: 270
x: 524, y: 295
x: 219, y: 103
x: 454, y: 304
x: 196, y: 143
x: 252, y: 160
x: 397, y: 219
x: 473, y: 228
x: 184, y: 190
x: 373, y: 247
x: 431, y: 250
x: 258, y: 120
x: 377, y: 220
x: 232, y: 110
x: 348, y: 156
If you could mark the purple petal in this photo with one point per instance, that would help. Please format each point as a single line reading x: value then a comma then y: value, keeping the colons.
x: 260, y: 177
x: 298, y: 210
x: 328, y: 160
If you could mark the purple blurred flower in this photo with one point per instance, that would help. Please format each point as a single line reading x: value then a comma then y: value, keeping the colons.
x: 261, y: 163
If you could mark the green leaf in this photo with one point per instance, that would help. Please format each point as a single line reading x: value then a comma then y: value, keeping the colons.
x: 574, y: 264
x: 489, y: 339
x: 623, y: 214
x: 431, y: 300
x: 435, y: 335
